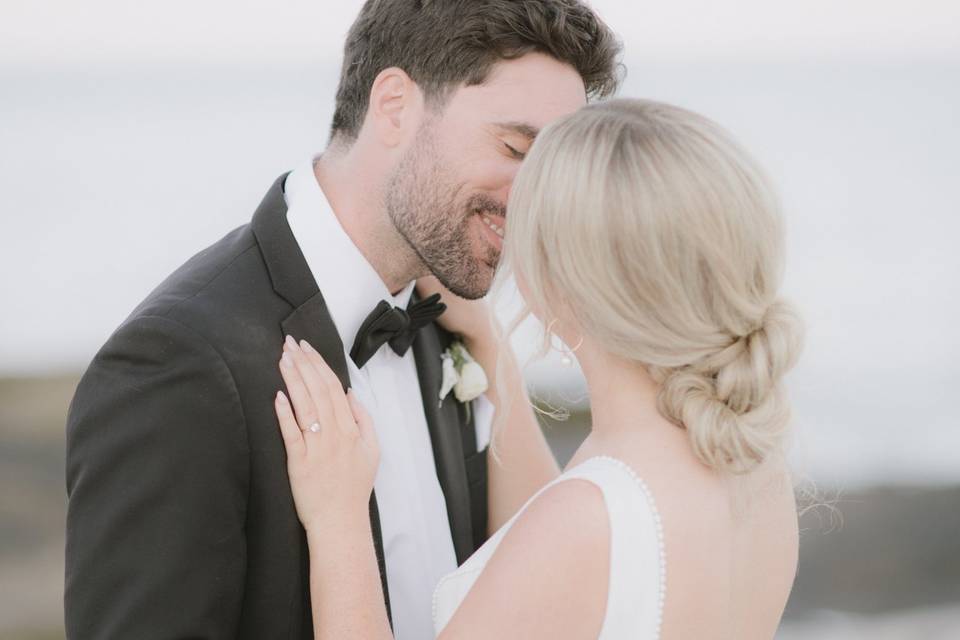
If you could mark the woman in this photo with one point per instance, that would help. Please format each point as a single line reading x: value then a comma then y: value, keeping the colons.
x: 641, y: 234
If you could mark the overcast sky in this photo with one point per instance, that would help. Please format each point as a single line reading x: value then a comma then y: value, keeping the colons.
x: 112, y: 32
x: 110, y: 180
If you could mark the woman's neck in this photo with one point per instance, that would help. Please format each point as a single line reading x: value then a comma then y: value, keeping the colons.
x: 623, y: 411
x: 623, y: 395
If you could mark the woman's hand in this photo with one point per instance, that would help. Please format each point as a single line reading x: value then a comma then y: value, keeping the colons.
x: 332, y: 451
x: 472, y: 319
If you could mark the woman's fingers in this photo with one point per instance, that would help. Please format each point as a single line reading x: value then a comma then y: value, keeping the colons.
x: 316, y: 385
x: 338, y: 400
x: 303, y: 406
x: 289, y: 429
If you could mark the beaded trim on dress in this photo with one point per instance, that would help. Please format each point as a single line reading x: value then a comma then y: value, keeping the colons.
x: 651, y: 503
x: 662, y: 596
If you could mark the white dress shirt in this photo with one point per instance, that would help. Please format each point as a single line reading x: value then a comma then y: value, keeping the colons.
x: 417, y: 543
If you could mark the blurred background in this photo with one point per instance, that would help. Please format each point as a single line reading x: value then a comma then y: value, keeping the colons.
x: 132, y: 135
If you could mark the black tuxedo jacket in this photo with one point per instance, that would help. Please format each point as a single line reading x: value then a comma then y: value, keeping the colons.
x: 180, y: 519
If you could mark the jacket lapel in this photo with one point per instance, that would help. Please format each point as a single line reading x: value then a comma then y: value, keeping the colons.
x: 444, y: 423
x: 310, y: 319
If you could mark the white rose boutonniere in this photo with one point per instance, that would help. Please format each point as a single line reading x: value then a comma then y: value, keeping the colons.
x: 462, y: 373
x: 450, y: 375
x: 473, y: 382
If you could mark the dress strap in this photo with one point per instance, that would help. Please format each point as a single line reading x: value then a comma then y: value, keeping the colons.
x: 638, y: 562
x: 637, y: 582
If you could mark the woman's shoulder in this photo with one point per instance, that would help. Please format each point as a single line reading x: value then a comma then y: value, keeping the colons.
x: 581, y: 549
x: 547, y: 577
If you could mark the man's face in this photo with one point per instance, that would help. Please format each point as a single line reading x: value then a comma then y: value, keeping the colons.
x: 448, y: 194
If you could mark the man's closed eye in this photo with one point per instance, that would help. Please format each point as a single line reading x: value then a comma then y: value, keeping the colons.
x: 518, y: 155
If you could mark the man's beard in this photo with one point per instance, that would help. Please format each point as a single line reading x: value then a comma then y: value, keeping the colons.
x: 422, y: 201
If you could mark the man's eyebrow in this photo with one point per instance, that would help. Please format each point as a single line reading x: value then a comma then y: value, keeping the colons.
x: 526, y: 130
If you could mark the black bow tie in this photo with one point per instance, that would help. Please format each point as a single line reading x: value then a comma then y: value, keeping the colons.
x: 391, y: 324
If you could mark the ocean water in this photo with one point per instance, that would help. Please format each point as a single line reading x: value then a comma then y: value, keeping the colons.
x: 110, y: 178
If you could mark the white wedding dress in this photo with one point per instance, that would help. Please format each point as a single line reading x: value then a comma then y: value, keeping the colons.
x: 637, y: 559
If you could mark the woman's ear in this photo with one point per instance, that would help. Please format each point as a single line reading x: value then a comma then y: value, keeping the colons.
x: 396, y: 106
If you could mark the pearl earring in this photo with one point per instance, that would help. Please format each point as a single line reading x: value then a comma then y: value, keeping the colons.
x: 566, y: 359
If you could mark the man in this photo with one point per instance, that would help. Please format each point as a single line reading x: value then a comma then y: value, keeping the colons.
x: 180, y: 519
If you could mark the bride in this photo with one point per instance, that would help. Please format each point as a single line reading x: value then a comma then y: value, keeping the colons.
x: 644, y: 236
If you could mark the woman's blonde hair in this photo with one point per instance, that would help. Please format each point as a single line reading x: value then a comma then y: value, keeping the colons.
x: 657, y: 234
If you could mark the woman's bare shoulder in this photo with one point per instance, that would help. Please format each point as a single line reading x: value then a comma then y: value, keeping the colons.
x: 548, y: 577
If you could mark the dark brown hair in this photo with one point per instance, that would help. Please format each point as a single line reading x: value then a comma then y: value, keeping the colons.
x: 442, y: 44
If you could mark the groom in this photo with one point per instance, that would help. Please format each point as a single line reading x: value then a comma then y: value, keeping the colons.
x: 180, y: 520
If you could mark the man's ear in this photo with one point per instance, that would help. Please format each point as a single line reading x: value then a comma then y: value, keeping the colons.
x: 396, y: 106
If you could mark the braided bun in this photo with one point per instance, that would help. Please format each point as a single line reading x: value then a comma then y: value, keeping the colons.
x: 732, y: 402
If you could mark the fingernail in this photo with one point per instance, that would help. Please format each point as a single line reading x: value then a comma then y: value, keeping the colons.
x: 281, y: 397
x: 306, y: 346
x: 291, y: 342
x: 286, y: 360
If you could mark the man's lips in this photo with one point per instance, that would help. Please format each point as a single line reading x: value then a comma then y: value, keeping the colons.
x: 493, y: 237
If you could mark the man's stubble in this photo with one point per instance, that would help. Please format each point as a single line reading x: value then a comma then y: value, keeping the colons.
x: 428, y: 209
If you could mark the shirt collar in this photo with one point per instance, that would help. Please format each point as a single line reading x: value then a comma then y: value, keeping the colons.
x: 350, y: 285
